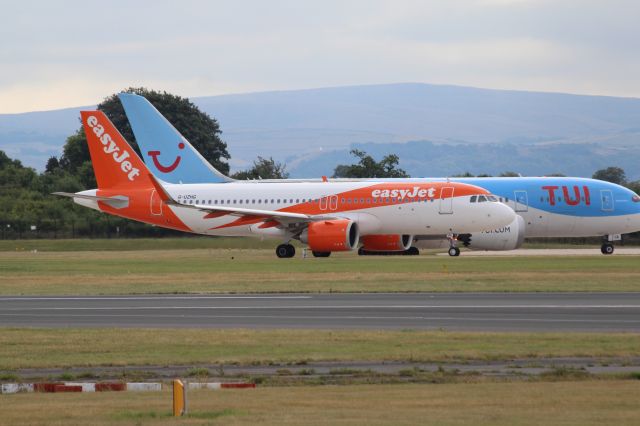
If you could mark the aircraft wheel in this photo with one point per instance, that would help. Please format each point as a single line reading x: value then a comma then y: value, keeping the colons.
x: 362, y: 252
x: 454, y: 251
x: 321, y: 253
x: 607, y: 248
x: 412, y: 251
x: 285, y: 251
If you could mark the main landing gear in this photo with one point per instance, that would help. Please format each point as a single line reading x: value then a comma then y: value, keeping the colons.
x: 285, y: 251
x: 411, y: 251
x: 321, y: 253
x: 607, y: 248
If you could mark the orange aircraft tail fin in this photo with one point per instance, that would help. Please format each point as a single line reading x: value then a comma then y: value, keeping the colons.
x: 115, y: 163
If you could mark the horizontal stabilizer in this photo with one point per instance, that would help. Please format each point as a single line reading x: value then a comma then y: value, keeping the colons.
x: 117, y: 202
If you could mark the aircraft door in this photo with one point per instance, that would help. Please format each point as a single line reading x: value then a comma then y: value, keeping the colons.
x: 155, y: 203
x: 324, y: 202
x: 333, y: 202
x: 606, y: 197
x: 520, y: 201
x: 446, y: 200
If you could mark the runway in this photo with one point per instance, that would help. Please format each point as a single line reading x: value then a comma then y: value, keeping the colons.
x: 451, y: 311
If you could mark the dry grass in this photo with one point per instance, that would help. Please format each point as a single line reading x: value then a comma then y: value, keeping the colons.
x: 24, y: 348
x: 244, y: 270
x: 566, y: 403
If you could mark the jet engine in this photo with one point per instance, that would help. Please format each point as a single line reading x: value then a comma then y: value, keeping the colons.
x: 390, y: 242
x: 331, y: 235
x: 509, y: 237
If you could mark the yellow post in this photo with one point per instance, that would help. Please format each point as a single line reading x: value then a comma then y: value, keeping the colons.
x: 179, y: 398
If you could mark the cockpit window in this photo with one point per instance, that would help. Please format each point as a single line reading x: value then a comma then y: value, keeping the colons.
x: 635, y: 198
x: 473, y: 199
x: 492, y: 198
x: 482, y: 198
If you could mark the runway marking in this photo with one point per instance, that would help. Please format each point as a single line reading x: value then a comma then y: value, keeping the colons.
x: 121, y: 308
x: 353, y: 317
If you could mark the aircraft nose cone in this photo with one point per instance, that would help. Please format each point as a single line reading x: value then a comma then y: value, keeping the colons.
x: 503, y: 214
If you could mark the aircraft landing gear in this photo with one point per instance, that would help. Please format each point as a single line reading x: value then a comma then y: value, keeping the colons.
x: 285, y: 251
x: 321, y: 253
x: 454, y: 251
x: 412, y: 251
x: 607, y: 248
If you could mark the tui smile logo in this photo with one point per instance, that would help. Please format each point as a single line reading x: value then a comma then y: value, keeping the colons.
x: 165, y: 169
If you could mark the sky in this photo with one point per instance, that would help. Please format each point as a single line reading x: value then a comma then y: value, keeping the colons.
x: 71, y: 53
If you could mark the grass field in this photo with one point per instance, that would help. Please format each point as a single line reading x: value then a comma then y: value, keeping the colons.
x: 237, y: 270
x: 566, y: 403
x: 30, y: 348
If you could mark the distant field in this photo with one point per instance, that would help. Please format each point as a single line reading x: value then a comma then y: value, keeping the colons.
x: 86, y: 347
x: 566, y: 403
x: 237, y: 270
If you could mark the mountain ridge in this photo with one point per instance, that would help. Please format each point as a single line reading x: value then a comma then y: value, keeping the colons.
x: 311, y: 123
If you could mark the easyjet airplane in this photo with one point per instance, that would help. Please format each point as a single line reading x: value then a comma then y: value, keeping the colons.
x: 327, y: 216
x: 544, y: 206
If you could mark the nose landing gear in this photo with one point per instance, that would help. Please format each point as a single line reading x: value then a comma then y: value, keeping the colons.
x: 453, y: 245
x: 607, y: 243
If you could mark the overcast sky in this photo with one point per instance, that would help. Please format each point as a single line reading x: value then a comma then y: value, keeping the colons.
x: 70, y: 53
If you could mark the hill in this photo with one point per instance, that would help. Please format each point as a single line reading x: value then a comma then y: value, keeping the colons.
x: 447, y: 127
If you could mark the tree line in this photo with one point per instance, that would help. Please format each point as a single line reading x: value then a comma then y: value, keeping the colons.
x: 27, y: 210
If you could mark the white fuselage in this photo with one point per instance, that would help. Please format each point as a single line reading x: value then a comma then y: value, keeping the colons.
x: 351, y: 200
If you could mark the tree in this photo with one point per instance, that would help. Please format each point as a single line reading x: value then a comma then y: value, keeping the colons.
x: 263, y: 169
x: 634, y: 186
x: 611, y: 174
x: 196, y: 126
x: 52, y: 165
x: 509, y: 174
x: 367, y: 167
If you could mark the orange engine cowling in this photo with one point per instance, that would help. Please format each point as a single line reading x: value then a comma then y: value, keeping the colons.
x: 331, y: 235
x: 390, y: 242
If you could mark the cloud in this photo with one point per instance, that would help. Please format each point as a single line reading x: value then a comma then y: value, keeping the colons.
x: 72, y: 53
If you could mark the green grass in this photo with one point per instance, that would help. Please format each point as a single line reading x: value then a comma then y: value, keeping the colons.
x: 134, y: 244
x: 250, y: 270
x: 583, y: 403
x: 40, y: 348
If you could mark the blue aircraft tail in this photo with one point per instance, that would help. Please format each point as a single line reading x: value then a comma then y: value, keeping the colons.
x: 165, y: 151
